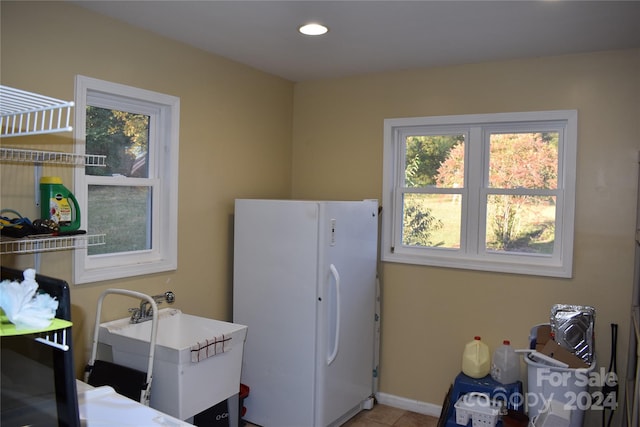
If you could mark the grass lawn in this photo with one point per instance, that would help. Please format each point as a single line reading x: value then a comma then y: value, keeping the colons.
x: 121, y: 213
x: 536, y: 233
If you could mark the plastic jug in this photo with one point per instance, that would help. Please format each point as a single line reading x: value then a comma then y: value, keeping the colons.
x: 505, y: 364
x: 476, y: 361
x: 58, y: 204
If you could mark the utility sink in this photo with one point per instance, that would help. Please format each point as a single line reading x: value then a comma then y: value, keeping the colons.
x: 197, y: 360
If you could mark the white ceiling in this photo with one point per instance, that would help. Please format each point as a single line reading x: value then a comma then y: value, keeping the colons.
x: 373, y: 36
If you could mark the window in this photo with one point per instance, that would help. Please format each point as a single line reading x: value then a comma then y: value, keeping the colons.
x: 134, y: 199
x: 491, y: 192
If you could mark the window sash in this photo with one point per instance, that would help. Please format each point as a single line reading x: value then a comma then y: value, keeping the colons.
x: 473, y: 252
x: 153, y: 215
x: 162, y: 180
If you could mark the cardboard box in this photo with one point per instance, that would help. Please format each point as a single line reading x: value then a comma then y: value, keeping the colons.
x: 543, y: 335
x: 553, y: 349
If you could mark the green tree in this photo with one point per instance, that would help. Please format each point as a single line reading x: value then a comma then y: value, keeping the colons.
x: 121, y: 136
x: 418, y: 223
x: 426, y: 153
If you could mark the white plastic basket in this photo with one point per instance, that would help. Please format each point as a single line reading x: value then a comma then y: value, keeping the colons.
x: 479, y: 407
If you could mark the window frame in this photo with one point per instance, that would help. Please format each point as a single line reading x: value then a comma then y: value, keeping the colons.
x: 162, y: 180
x: 473, y: 253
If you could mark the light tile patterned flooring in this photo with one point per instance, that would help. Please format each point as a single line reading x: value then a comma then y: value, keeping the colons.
x: 387, y: 416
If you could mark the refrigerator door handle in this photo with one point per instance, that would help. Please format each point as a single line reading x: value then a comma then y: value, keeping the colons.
x: 336, y: 277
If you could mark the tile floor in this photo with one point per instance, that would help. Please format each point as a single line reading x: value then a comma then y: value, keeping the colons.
x: 387, y: 416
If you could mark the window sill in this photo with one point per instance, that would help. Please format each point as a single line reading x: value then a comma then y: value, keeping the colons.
x: 499, y: 263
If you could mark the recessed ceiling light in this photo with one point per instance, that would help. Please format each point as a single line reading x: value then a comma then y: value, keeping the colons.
x: 313, y: 29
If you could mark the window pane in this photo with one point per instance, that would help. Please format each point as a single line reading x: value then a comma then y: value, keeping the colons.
x: 524, y: 224
x: 123, y: 137
x: 121, y: 213
x: 431, y: 220
x: 434, y: 160
x: 523, y: 160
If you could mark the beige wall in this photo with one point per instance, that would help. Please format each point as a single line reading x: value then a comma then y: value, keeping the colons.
x: 247, y: 134
x: 235, y: 141
x: 428, y: 314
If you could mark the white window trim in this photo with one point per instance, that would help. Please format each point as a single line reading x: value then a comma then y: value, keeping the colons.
x: 560, y: 264
x: 163, y: 256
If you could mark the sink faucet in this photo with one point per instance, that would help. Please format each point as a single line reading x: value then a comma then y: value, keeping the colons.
x: 145, y: 311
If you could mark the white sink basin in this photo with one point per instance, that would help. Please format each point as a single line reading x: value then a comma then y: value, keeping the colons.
x: 197, y: 360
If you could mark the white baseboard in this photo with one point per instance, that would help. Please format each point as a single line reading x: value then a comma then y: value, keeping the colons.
x: 409, y: 404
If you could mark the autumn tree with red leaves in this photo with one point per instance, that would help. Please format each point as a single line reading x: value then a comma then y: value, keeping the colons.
x: 516, y: 161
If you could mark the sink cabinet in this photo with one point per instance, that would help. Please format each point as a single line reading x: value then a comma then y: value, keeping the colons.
x: 183, y: 384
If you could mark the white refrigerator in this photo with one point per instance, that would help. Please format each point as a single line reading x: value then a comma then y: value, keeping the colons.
x: 304, y: 282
